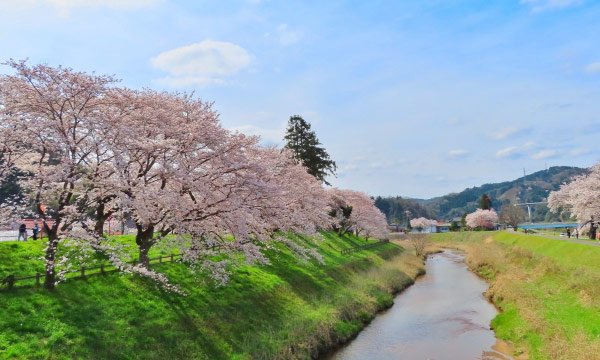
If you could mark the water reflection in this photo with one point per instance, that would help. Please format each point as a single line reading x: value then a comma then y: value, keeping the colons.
x: 443, y: 316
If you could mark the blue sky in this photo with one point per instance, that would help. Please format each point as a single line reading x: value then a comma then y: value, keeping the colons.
x: 416, y: 98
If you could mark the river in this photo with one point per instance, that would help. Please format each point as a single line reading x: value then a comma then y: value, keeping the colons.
x: 444, y: 315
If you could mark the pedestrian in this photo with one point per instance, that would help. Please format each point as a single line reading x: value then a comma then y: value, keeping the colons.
x: 35, y: 231
x: 592, y: 229
x: 577, y: 233
x: 568, y: 233
x: 22, y: 232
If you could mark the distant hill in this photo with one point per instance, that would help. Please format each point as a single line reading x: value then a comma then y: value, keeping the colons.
x: 532, y: 188
x: 395, y: 209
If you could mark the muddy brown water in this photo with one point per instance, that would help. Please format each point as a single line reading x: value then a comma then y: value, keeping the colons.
x: 444, y: 315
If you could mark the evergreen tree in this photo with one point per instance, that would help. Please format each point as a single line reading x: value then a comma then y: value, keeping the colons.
x: 307, y: 149
x: 485, y: 203
x: 454, y: 226
x: 463, y: 222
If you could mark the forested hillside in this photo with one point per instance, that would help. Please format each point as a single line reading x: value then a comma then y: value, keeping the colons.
x: 531, y: 188
x: 395, y: 209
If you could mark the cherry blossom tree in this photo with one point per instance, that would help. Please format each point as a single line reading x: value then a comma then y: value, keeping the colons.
x: 485, y: 219
x: 354, y: 210
x: 579, y: 197
x: 422, y: 223
x: 173, y: 164
x: 49, y: 118
x: 91, y: 150
x: 176, y: 170
x: 340, y: 211
x: 273, y: 194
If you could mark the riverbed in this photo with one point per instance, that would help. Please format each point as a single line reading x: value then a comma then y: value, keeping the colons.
x: 444, y: 315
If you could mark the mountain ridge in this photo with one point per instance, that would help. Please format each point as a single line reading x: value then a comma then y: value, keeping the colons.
x: 534, y: 187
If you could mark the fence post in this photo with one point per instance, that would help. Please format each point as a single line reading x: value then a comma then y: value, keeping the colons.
x: 37, y: 279
x: 10, y: 281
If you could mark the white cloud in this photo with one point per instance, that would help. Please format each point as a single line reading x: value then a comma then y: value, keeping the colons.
x: 510, y: 132
x: 504, y: 133
x: 528, y: 145
x: 593, y: 68
x: 507, y: 152
x: 287, y: 36
x: 544, y: 154
x: 458, y: 153
x: 203, y: 63
x: 515, y: 151
x: 542, y: 5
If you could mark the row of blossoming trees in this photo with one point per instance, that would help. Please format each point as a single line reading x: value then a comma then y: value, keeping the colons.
x: 580, y: 198
x: 87, y: 150
x: 479, y: 219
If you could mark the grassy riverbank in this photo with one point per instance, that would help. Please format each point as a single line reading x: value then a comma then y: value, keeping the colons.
x: 548, y: 291
x: 287, y: 309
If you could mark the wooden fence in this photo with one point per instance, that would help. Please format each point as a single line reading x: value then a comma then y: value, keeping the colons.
x: 12, y: 281
x: 363, y: 247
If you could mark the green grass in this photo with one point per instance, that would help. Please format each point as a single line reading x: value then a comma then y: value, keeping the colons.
x: 547, y: 289
x: 287, y: 309
x: 564, y: 252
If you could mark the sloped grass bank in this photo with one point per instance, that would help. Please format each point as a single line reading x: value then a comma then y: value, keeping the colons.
x: 548, y: 291
x: 284, y: 310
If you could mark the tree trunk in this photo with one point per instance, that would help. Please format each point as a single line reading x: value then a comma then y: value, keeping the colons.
x: 143, y: 239
x: 50, y: 276
x: 99, y: 227
x: 101, y: 217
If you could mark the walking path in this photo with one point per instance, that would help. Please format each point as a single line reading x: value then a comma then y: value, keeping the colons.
x: 572, y: 239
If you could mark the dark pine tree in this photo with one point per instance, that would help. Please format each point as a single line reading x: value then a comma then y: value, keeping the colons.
x: 307, y: 149
x: 485, y: 203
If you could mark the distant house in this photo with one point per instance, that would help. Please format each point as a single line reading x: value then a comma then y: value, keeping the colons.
x: 427, y: 230
x: 442, y: 227
x: 395, y: 228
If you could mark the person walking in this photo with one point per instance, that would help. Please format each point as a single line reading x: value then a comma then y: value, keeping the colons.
x: 593, y: 229
x: 569, y: 233
x: 22, y: 232
x: 35, y: 231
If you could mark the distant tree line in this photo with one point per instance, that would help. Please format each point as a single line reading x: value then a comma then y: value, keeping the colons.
x: 395, y: 209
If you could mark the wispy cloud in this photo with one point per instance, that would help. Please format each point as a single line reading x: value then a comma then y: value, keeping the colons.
x: 204, y: 63
x: 458, y: 153
x: 510, y: 132
x: 287, y: 36
x: 593, y: 68
x: 542, y: 5
x: 508, y: 152
x: 545, y: 154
